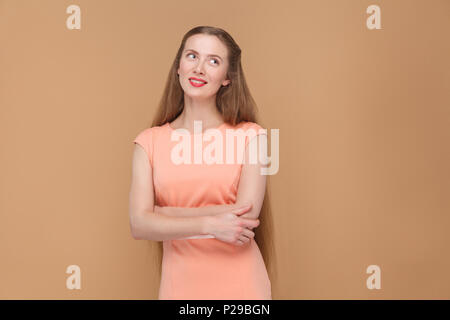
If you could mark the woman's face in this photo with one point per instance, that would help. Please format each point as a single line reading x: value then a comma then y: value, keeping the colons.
x: 204, y: 57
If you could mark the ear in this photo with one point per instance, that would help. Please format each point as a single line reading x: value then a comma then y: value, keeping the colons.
x: 226, y: 83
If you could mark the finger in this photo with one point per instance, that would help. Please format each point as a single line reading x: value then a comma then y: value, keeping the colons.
x: 250, y: 223
x: 244, y: 239
x: 242, y: 209
x: 247, y: 233
x: 239, y: 242
x: 247, y: 205
x: 242, y: 205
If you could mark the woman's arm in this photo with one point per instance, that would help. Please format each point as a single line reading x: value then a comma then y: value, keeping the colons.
x: 158, y: 227
x: 201, y: 211
x: 144, y: 222
x: 252, y: 183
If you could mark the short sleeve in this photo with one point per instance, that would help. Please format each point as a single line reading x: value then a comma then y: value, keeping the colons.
x: 145, y: 140
x: 253, y: 129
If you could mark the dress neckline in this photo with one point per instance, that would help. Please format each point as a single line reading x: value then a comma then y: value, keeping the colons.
x: 190, y: 133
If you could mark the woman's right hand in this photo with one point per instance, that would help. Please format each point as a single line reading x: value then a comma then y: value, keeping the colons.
x: 230, y: 227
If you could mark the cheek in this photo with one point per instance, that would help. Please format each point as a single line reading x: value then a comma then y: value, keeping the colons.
x: 185, y: 66
x: 216, y: 76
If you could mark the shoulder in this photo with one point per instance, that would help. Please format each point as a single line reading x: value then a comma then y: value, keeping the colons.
x: 148, y: 137
x: 251, y: 130
x: 151, y: 132
x: 145, y: 132
x: 249, y: 125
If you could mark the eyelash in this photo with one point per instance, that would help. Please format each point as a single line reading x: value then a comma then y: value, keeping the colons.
x: 194, y: 55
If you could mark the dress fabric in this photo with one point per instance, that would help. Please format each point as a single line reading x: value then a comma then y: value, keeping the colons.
x: 203, y: 267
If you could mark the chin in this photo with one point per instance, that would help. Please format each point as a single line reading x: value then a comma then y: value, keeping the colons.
x: 202, y: 95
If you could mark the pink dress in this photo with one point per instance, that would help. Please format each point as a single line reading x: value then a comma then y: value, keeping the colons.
x: 203, y: 267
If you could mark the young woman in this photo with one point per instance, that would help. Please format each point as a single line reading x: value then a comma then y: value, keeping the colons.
x: 212, y: 222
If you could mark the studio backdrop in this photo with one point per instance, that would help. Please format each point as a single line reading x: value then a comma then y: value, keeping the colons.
x: 359, y: 92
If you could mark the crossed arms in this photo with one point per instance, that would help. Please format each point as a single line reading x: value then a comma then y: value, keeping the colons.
x: 167, y: 223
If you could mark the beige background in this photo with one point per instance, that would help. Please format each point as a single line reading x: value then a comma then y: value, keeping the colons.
x: 364, y: 125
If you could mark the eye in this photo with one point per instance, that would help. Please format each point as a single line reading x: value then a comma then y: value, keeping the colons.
x: 193, y: 54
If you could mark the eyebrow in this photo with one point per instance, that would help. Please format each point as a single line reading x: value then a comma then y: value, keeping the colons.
x: 209, y: 55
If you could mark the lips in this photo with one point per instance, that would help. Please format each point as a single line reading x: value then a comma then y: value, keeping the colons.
x: 198, y: 79
x: 201, y: 83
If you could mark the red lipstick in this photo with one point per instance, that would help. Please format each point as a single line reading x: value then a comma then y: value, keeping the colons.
x: 198, y: 83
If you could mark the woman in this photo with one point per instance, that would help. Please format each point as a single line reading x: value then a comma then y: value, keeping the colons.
x: 203, y: 214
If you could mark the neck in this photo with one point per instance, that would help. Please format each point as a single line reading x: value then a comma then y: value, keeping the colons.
x: 199, y: 110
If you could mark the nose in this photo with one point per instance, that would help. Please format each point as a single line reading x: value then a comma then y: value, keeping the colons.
x: 199, y: 68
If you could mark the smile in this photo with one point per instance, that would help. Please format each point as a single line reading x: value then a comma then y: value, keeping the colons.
x: 197, y: 83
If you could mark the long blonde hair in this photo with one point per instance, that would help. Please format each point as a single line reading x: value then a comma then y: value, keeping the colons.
x: 236, y: 104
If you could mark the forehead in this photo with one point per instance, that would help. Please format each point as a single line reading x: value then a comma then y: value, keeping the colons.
x: 206, y: 45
